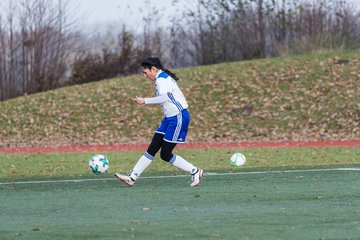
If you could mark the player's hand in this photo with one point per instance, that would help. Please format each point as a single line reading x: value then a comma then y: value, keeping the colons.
x: 139, y: 100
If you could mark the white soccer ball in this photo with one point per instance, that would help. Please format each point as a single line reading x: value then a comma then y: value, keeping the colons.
x: 237, y: 160
x: 98, y: 164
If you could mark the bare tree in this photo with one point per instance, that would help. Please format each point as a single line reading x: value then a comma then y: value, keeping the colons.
x: 34, y: 46
x: 304, y: 26
x: 228, y: 30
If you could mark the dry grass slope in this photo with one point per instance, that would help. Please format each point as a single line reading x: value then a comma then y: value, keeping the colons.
x: 313, y: 97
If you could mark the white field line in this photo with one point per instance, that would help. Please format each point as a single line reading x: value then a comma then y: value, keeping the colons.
x: 178, y: 176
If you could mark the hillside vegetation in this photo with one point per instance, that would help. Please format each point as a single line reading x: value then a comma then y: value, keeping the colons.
x: 303, y: 98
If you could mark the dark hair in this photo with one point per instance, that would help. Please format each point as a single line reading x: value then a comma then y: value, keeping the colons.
x: 150, y: 62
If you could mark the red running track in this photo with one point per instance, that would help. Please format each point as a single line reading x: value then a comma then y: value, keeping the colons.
x: 129, y: 147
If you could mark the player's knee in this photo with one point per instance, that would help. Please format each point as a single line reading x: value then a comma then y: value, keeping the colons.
x: 151, y: 151
x: 166, y: 156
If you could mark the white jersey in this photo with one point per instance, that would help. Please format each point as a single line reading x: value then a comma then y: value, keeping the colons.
x: 176, y: 101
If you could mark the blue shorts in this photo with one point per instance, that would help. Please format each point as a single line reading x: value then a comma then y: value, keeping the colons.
x: 175, y: 128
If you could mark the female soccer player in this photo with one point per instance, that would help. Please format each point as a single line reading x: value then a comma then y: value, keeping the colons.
x: 173, y: 128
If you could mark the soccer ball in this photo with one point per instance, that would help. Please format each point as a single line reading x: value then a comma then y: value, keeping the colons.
x: 98, y: 163
x: 237, y: 160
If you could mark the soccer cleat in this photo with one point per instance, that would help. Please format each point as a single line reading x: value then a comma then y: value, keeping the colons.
x: 126, y: 179
x: 195, y: 178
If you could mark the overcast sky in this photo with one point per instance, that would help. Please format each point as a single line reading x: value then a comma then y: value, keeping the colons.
x: 128, y: 11
x: 131, y: 12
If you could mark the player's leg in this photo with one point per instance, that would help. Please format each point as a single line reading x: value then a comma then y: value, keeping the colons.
x: 176, y: 160
x: 155, y: 144
x: 146, y: 159
x: 179, y: 162
x: 176, y: 133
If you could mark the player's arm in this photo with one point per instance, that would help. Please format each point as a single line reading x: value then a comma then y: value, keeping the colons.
x: 153, y: 100
x: 163, y: 87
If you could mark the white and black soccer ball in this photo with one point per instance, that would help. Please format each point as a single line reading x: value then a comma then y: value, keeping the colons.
x: 98, y: 164
x: 237, y: 159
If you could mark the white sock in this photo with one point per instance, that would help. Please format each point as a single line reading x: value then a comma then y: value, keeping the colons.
x: 144, y: 161
x: 181, y: 163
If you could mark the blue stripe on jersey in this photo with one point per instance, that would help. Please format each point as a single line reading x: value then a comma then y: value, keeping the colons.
x: 177, y: 104
x: 163, y: 75
x: 178, y: 127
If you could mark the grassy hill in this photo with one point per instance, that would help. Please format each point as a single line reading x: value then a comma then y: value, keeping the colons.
x: 313, y: 97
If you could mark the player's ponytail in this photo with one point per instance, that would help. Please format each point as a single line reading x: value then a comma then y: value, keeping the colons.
x: 150, y: 62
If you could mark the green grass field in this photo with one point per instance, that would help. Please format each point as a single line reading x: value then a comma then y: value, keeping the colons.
x: 58, y: 165
x: 281, y: 193
x: 253, y: 205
